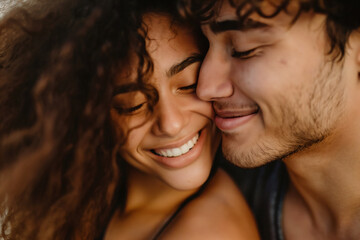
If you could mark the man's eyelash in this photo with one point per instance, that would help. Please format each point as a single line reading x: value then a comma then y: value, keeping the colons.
x: 244, y: 54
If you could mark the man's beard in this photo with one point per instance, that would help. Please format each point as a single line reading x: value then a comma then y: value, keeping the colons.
x: 297, y: 129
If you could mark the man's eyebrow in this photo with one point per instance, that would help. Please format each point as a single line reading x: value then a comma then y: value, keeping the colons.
x: 239, y: 25
x: 178, y: 67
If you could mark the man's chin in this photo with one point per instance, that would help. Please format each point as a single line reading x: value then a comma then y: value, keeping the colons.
x: 246, y: 156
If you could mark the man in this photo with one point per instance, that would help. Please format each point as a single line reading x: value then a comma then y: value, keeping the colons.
x: 284, y: 79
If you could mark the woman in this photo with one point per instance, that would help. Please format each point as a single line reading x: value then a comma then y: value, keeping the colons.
x: 118, y: 138
x: 169, y: 152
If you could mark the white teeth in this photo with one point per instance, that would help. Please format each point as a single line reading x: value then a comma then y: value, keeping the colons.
x: 184, y: 148
x: 175, y: 152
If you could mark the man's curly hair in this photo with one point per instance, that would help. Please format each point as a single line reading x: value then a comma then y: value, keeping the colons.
x: 342, y: 17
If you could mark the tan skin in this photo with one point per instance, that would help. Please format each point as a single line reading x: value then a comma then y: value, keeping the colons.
x: 157, y: 182
x: 219, y: 213
x: 280, y: 87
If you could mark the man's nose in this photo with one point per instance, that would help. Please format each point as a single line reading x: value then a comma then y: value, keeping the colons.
x: 214, y: 82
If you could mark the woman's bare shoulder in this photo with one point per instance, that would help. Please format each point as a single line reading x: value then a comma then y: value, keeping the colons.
x: 220, y: 212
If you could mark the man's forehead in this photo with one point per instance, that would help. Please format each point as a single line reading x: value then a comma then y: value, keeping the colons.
x: 229, y: 18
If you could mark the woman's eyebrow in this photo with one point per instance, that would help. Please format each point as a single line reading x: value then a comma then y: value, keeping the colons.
x: 126, y: 88
x: 178, y: 67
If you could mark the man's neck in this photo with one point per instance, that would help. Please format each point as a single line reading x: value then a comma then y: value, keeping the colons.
x: 324, y: 193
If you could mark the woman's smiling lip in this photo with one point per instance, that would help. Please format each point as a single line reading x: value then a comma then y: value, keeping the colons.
x: 176, y: 144
x: 177, y: 151
x: 186, y: 158
x: 230, y: 120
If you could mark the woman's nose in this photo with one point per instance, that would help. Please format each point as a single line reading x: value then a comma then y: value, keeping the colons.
x: 170, y: 117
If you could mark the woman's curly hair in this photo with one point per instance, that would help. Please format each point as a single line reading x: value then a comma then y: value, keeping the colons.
x: 59, y: 172
x: 342, y: 17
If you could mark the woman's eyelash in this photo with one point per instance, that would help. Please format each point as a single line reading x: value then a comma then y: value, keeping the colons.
x: 192, y: 86
x: 133, y: 109
x: 129, y: 110
x: 244, y: 54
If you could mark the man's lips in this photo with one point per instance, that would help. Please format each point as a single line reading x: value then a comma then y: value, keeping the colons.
x: 228, y: 120
x: 236, y: 113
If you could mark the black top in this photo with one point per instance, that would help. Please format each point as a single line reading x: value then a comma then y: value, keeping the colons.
x: 264, y: 189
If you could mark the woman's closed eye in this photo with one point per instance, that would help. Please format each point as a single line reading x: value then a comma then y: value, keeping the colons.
x: 129, y: 103
x: 130, y: 110
x: 188, y: 89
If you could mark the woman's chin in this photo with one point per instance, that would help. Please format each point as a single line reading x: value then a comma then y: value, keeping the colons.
x: 188, y: 183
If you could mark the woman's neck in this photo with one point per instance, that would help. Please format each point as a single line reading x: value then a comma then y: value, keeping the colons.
x: 149, y: 203
x: 145, y: 191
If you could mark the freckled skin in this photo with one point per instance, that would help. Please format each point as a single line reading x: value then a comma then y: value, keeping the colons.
x: 283, y: 62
